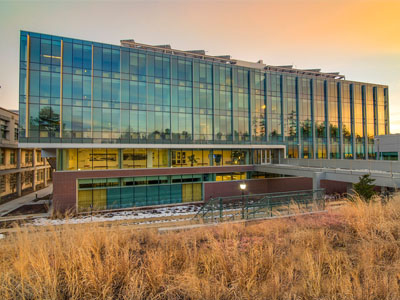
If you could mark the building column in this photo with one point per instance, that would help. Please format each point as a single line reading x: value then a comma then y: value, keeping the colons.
x: 317, y: 176
x: 340, y: 120
x: 149, y: 158
x: 328, y: 132
x: 316, y: 182
x: 45, y: 170
x: 353, y: 122
x: 34, y: 169
x: 19, y: 175
x: 349, y: 188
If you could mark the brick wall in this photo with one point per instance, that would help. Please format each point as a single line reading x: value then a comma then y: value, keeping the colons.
x: 256, y: 186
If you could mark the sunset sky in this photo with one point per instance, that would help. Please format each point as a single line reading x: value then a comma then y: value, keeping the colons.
x: 360, y: 39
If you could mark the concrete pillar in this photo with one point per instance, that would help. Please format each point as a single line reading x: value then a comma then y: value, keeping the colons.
x: 349, y: 188
x: 34, y: 158
x: 45, y: 176
x: 316, y: 181
x: 34, y: 179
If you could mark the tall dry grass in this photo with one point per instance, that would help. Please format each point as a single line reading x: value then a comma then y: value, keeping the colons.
x: 350, y: 253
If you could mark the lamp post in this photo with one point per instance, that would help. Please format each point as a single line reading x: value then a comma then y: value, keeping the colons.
x: 379, y: 153
x: 242, y: 188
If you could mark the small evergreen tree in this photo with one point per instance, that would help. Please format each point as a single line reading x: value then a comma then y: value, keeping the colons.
x: 365, y: 187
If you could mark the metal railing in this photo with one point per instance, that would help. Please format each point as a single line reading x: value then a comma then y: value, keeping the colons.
x: 258, y: 206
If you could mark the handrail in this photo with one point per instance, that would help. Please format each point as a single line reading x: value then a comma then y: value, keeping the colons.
x: 259, y: 201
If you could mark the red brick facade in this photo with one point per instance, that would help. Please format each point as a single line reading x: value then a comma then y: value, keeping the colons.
x: 256, y: 186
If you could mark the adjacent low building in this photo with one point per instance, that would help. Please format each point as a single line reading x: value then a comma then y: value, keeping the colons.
x: 136, y: 124
x: 21, y: 169
x: 387, y: 147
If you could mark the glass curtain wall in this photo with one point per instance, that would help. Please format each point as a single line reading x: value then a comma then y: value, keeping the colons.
x: 241, y: 97
x: 359, y: 122
x: 347, y: 124
x: 370, y: 120
x: 333, y: 116
x: 223, y: 104
x: 40, y: 61
x: 386, y: 107
x: 124, y: 192
x: 320, y: 119
x: 76, y: 91
x: 380, y: 107
x: 274, y: 98
x: 103, y: 159
x: 305, y: 103
x: 290, y: 116
x: 203, y: 102
x: 258, y: 106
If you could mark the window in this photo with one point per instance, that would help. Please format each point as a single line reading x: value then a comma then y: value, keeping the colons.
x: 12, y: 157
x: 28, y: 157
x: 3, y: 129
x: 2, y: 156
x: 3, y: 184
x: 16, y: 133
x: 38, y: 156
x: 27, y: 177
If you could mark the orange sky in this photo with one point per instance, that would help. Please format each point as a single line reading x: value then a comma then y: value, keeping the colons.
x: 361, y: 39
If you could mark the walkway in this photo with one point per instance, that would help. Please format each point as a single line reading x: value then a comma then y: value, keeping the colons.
x: 385, y: 173
x: 13, y: 204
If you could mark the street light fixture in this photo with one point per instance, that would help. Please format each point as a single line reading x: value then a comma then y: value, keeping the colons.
x: 242, y: 188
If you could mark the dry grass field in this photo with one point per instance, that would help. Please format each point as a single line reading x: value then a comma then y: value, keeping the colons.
x: 349, y: 253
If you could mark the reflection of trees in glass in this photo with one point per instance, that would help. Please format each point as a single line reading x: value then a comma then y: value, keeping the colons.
x: 219, y: 136
x: 185, y: 135
x: 49, y: 120
x: 292, y: 124
x: 334, y: 130
x: 306, y: 129
x: 321, y: 130
x: 166, y: 134
x: 241, y: 136
x: 274, y: 133
x: 259, y: 126
x: 346, y: 131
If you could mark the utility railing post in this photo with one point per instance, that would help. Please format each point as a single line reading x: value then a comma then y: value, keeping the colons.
x: 212, y: 212
x: 247, y: 207
x: 220, y: 209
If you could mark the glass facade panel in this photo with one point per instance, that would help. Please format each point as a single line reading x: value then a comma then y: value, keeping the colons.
x: 124, y: 192
x: 86, y: 92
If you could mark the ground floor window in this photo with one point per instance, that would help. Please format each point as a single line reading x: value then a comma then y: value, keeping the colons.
x: 124, y: 192
x: 389, y: 155
x: 104, y: 159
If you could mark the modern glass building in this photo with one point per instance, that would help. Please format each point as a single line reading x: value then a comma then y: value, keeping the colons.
x: 141, y: 125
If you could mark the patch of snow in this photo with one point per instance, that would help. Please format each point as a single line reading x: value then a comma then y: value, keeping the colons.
x: 123, y: 215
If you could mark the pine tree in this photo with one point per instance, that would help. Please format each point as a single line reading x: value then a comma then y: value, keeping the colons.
x: 365, y: 187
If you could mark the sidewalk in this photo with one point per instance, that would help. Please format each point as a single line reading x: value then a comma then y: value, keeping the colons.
x: 13, y: 204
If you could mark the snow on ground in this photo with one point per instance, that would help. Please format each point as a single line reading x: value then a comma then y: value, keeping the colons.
x: 122, y: 215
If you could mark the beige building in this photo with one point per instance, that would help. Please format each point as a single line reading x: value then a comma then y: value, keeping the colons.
x: 21, y: 170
